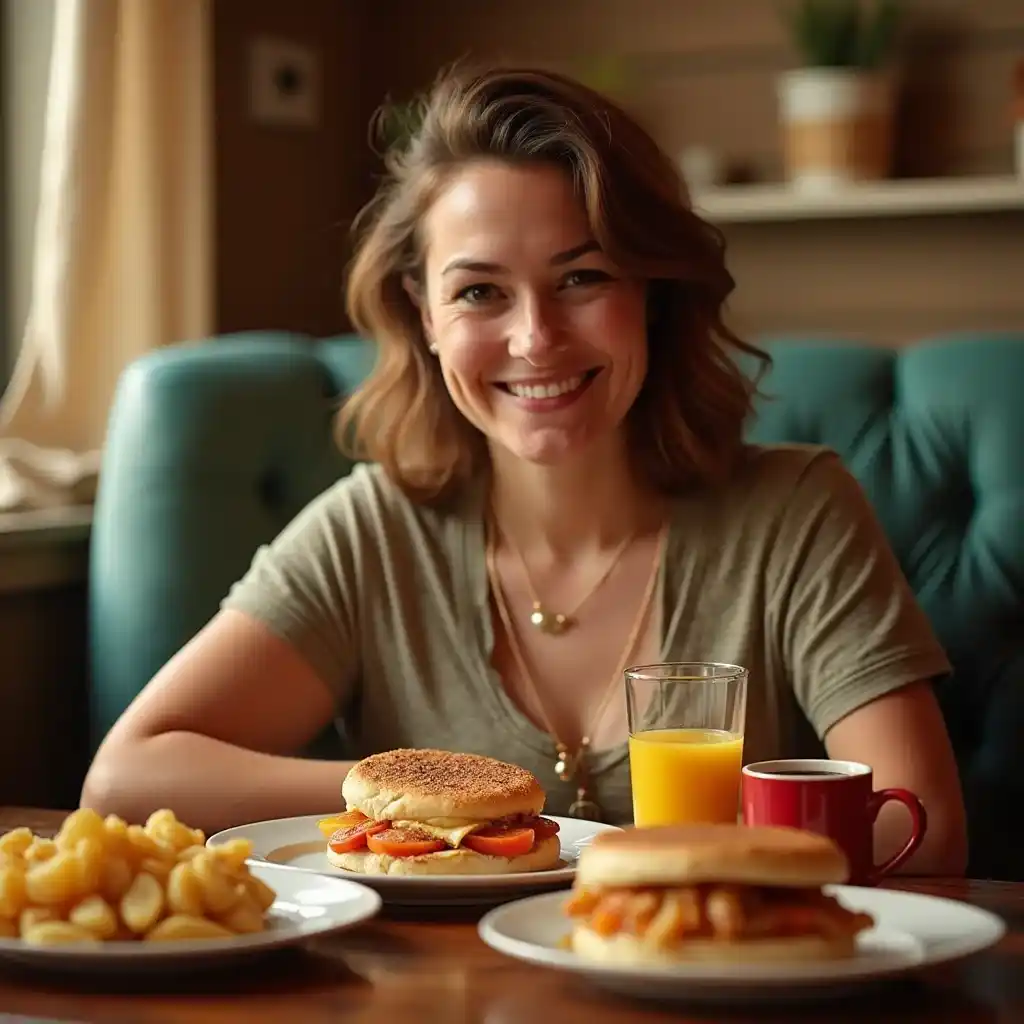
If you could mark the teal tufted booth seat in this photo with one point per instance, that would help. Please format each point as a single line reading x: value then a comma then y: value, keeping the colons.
x: 214, y: 446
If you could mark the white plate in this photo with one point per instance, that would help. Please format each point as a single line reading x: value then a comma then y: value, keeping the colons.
x: 306, y: 907
x: 298, y: 843
x: 911, y: 931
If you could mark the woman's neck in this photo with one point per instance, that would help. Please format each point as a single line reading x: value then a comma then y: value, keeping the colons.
x: 562, y: 512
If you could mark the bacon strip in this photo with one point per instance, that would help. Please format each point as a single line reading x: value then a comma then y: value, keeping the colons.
x: 664, y: 917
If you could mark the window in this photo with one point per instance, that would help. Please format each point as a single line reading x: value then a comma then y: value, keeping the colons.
x: 26, y: 31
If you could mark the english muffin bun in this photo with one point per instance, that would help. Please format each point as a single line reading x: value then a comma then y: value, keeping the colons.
x: 544, y: 855
x: 419, y: 785
x: 681, y: 855
x: 627, y: 950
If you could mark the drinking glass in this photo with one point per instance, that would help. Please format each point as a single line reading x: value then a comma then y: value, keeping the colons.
x: 686, y: 724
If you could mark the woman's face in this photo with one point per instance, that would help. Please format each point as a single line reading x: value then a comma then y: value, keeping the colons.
x: 541, y: 338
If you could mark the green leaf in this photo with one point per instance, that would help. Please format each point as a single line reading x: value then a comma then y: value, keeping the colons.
x: 843, y: 33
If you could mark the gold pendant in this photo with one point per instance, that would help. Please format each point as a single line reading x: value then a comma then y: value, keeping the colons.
x: 565, y: 766
x: 584, y: 807
x: 552, y: 623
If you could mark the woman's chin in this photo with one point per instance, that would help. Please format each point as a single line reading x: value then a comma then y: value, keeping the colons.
x: 548, y: 448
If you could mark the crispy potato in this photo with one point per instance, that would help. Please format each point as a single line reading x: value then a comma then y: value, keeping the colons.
x: 79, y: 825
x: 233, y: 854
x: 185, y: 891
x: 14, y: 843
x: 89, y: 864
x: 244, y: 918
x: 220, y: 891
x: 31, y: 916
x: 116, y: 876
x: 53, y: 881
x: 143, y: 903
x: 56, y: 933
x: 96, y: 916
x: 12, y: 890
x: 182, y: 926
x: 141, y: 844
x: 104, y: 879
x: 261, y: 893
x: 40, y: 849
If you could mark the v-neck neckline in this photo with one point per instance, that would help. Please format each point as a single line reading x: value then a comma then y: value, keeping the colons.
x: 501, y: 703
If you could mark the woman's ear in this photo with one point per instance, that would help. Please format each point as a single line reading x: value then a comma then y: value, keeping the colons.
x: 413, y: 290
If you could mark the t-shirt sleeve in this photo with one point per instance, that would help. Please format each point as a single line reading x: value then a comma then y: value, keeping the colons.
x: 303, y: 586
x: 850, y: 627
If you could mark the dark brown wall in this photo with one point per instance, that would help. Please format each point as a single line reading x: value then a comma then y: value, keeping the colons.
x: 43, y: 692
x: 285, y: 197
x: 700, y: 73
x: 705, y: 73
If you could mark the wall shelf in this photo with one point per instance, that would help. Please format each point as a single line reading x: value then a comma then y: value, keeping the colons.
x: 737, y: 204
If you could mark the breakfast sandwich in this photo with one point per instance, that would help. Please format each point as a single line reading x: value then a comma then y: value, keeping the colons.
x: 435, y: 812
x: 668, y: 894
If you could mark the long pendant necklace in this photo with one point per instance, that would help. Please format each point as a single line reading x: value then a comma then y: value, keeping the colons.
x: 573, y: 767
x: 556, y: 623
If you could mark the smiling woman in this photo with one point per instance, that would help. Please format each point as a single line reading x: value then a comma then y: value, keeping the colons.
x: 555, y: 486
x: 541, y: 239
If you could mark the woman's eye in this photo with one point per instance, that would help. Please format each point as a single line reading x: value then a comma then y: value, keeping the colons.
x: 576, y: 278
x: 477, y: 293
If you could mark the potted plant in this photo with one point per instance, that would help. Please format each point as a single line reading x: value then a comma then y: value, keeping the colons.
x: 837, y: 109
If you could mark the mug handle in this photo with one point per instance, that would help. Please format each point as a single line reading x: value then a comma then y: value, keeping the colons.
x: 918, y: 827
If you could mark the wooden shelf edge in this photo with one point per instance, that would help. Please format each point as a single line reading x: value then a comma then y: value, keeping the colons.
x: 44, y: 548
x: 896, y: 198
x: 45, y: 525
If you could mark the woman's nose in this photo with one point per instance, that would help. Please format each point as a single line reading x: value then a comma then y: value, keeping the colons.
x: 535, y: 336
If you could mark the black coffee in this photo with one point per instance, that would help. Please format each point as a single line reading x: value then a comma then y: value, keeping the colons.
x: 809, y: 772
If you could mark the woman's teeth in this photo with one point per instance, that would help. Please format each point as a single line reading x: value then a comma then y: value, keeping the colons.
x: 552, y: 390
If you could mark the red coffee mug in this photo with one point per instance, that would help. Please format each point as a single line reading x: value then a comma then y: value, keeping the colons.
x: 833, y: 798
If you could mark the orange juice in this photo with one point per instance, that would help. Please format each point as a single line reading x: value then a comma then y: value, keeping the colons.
x: 685, y: 776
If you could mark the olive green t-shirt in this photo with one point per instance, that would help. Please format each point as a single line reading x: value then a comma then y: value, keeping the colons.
x: 784, y: 570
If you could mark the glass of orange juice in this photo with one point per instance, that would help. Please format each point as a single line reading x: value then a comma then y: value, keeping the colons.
x: 686, y: 741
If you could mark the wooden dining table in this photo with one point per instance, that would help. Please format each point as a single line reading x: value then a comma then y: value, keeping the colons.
x: 436, y: 968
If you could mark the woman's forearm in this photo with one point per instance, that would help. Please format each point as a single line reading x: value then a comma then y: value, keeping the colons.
x: 943, y: 851
x: 209, y: 784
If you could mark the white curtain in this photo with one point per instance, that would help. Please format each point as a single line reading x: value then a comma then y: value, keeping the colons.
x: 122, y: 260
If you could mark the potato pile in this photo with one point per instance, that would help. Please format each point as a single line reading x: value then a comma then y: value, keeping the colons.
x: 101, y: 879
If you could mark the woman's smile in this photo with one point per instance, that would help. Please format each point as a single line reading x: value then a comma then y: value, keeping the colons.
x: 549, y: 394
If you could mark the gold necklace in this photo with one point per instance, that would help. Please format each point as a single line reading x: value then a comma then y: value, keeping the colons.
x: 557, y: 623
x: 571, y: 767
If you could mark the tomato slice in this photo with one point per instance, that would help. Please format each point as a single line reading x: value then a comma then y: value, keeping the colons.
x: 544, y: 828
x: 496, y: 841
x: 345, y: 840
x: 399, y: 842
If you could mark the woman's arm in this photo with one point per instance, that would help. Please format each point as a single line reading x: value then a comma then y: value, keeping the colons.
x: 860, y: 652
x: 209, y: 735
x: 903, y: 736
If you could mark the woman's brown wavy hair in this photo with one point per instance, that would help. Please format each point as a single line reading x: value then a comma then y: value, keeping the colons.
x: 687, y: 422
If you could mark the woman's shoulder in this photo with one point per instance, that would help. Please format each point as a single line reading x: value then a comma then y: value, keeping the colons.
x: 766, y: 470
x: 367, y: 500
x: 791, y: 476
x: 772, y: 484
x: 780, y: 466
